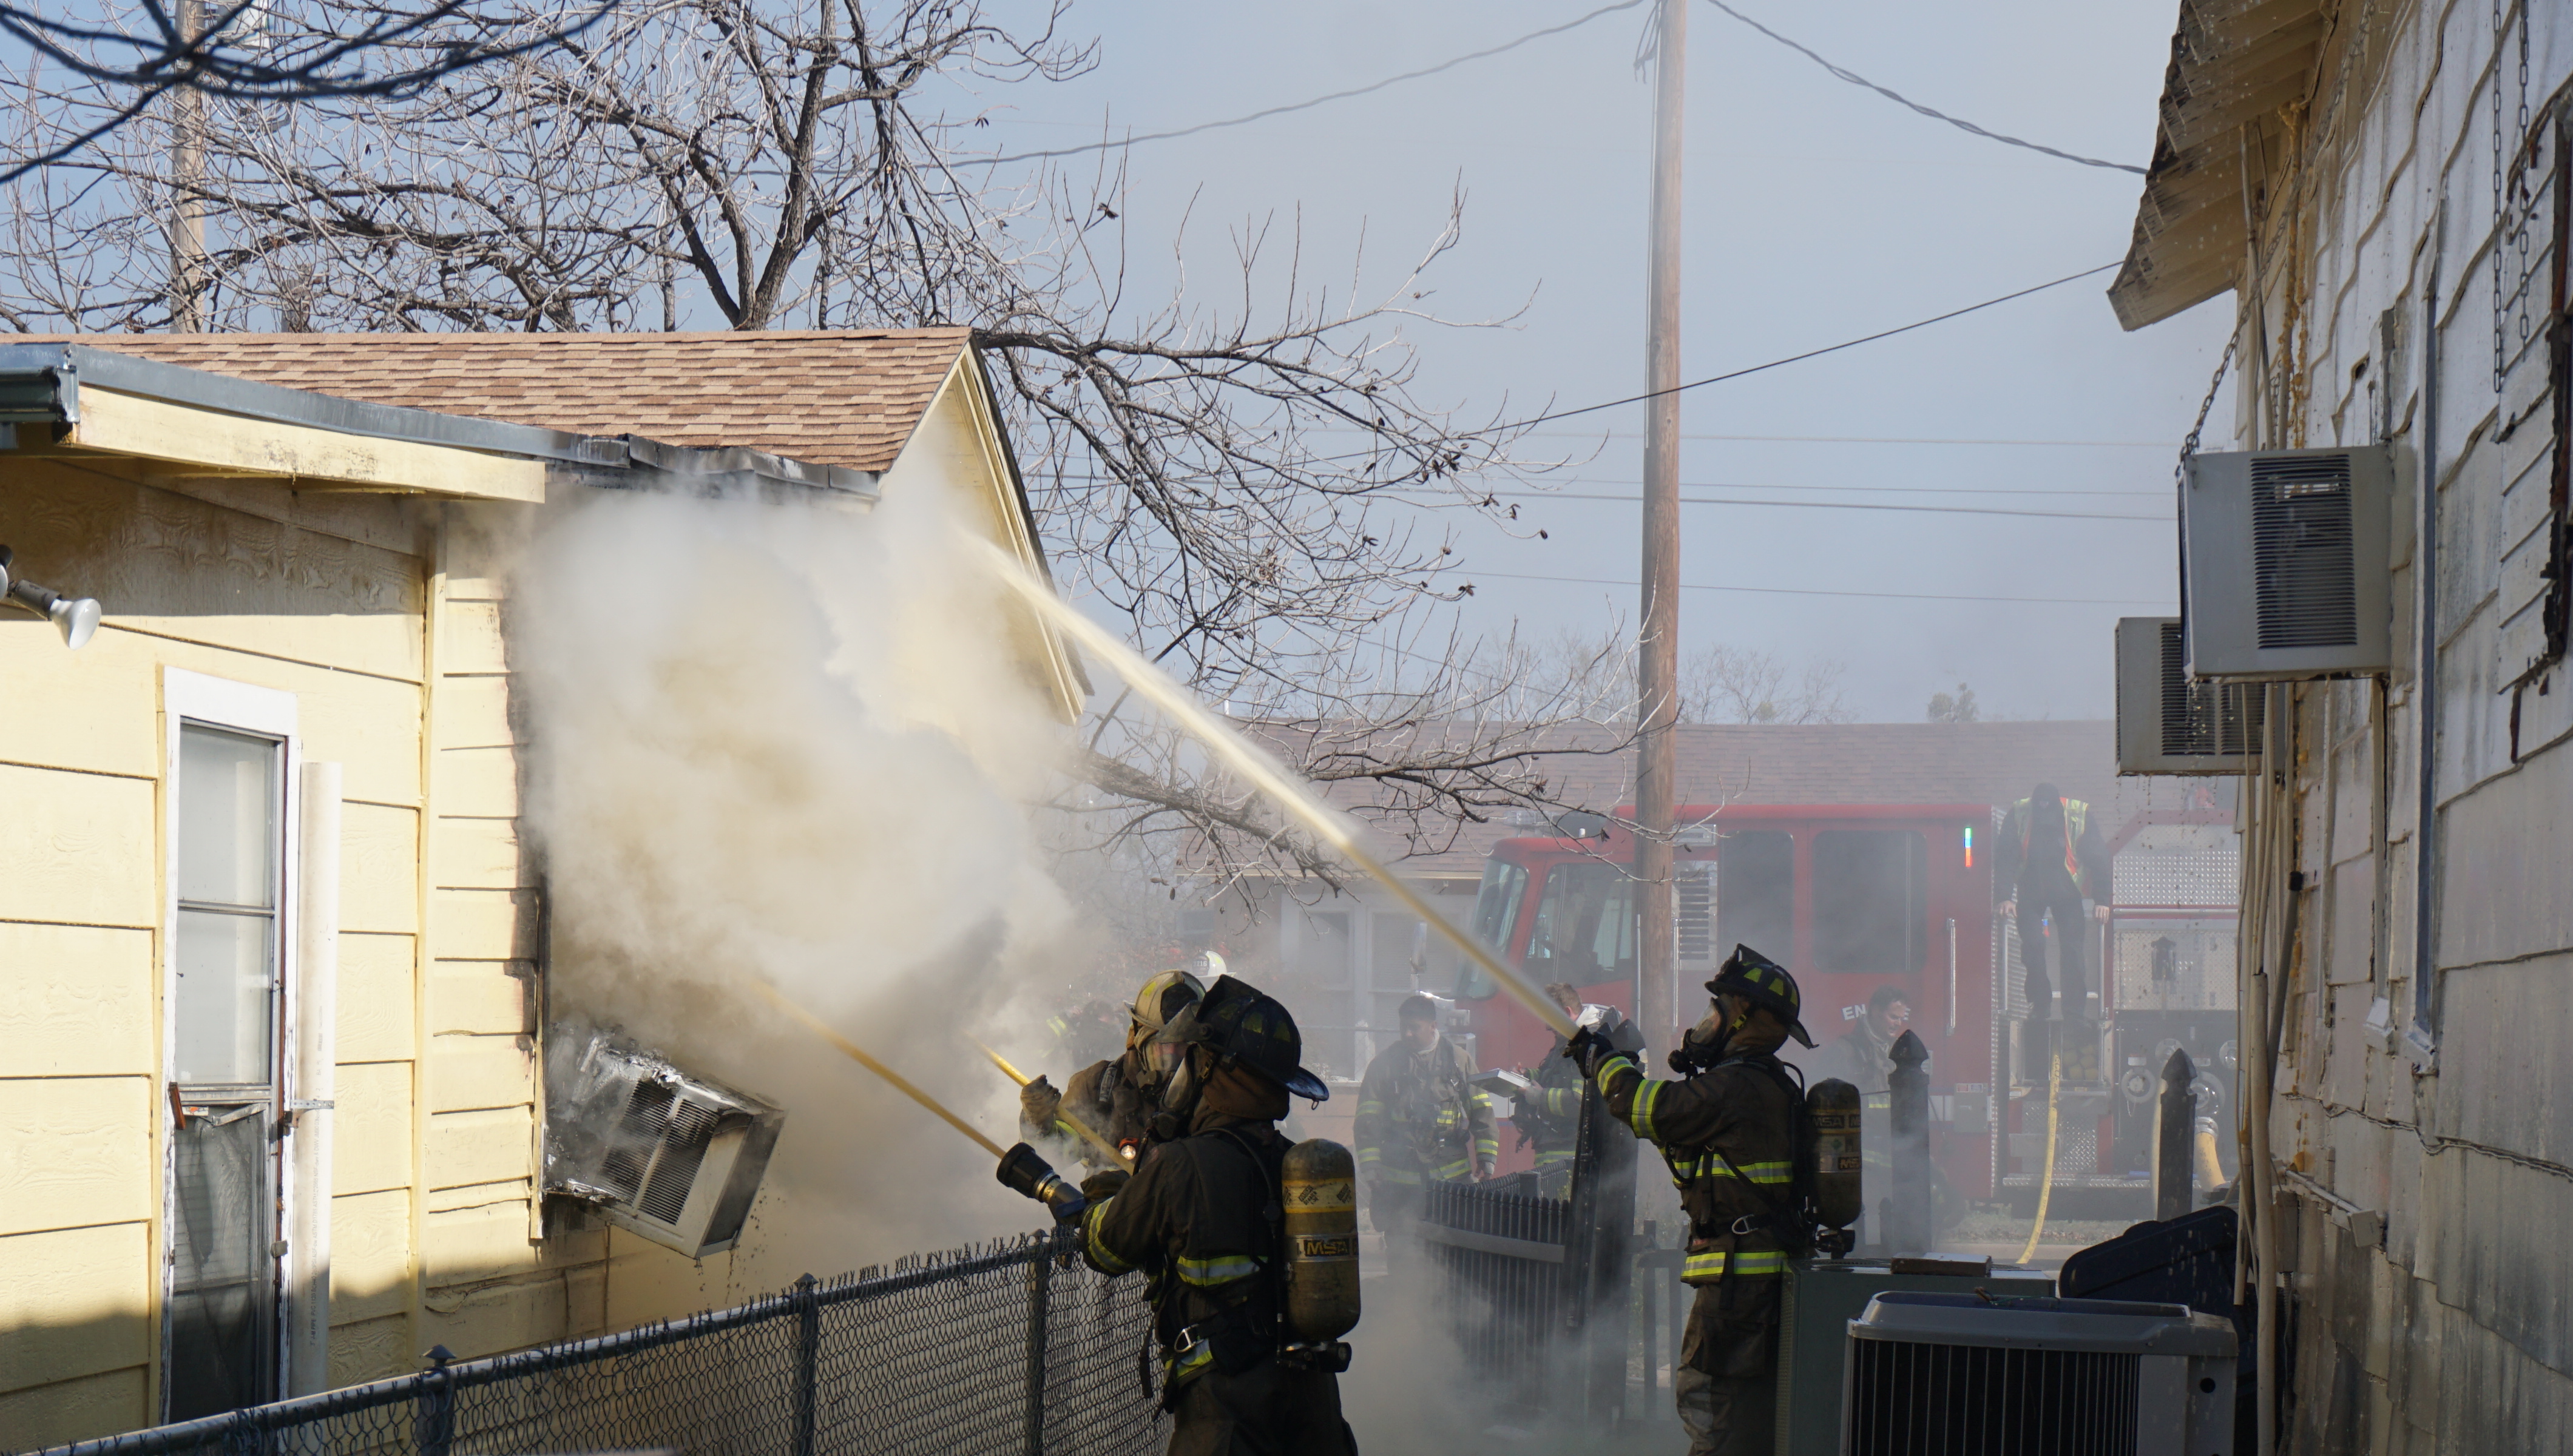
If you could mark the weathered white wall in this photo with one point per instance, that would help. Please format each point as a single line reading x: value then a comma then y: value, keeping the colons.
x: 2451, y: 1332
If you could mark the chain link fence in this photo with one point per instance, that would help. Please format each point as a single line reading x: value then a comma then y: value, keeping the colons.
x: 1017, y: 1348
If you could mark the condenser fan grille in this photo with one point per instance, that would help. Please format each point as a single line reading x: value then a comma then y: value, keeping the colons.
x: 2305, y: 580
x: 2202, y: 718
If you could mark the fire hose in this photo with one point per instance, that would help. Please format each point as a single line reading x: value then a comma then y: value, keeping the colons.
x: 1118, y: 1156
x: 2045, y: 1181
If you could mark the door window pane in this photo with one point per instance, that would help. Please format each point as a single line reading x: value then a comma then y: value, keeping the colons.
x: 226, y: 998
x: 1754, y: 894
x: 1327, y: 951
x: 1871, y: 906
x: 226, y: 818
x: 225, y: 950
x: 220, y: 1278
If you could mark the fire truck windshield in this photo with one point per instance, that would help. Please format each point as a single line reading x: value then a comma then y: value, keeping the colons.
x: 1585, y: 926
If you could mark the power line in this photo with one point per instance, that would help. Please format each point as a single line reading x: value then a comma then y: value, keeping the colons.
x: 2122, y: 445
x: 1819, y: 592
x: 1448, y: 65
x: 1961, y: 124
x: 1539, y: 494
x: 1759, y: 367
x: 1852, y: 505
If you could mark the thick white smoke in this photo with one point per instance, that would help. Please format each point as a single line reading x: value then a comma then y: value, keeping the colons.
x: 792, y: 743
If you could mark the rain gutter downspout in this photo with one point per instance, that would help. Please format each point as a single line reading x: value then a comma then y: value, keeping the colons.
x: 2425, y: 677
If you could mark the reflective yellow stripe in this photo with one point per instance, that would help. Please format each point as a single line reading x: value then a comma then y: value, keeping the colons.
x: 1224, y: 1270
x: 1370, y: 1154
x: 1487, y: 1147
x: 1640, y: 1116
x: 1608, y: 1071
x: 1702, y: 1268
x: 1400, y: 1178
x: 1189, y: 1364
x: 1564, y: 1101
x: 1366, y: 1110
x: 1550, y: 1159
x: 1099, y: 1253
x: 1758, y: 1173
x: 1455, y: 1171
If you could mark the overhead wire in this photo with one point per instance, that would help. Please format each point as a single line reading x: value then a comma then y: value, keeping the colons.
x: 1448, y: 65
x: 1821, y: 591
x: 1960, y: 123
x: 1848, y: 506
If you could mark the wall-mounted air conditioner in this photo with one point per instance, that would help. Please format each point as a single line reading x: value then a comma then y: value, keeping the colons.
x: 2168, y: 724
x: 2287, y: 563
x: 1939, y: 1374
x: 674, y: 1158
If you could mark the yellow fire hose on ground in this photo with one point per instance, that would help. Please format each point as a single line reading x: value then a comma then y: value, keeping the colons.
x: 1117, y: 1156
x: 2045, y: 1181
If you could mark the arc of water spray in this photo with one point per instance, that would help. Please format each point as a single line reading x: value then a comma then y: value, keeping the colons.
x: 1281, y: 787
x: 858, y: 1055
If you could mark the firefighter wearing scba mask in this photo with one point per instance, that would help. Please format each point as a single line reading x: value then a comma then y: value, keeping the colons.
x: 1117, y: 1098
x: 1202, y: 1217
x: 1728, y: 1132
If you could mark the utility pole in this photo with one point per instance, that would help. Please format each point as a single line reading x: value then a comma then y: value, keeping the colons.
x: 1657, y: 655
x: 187, y: 175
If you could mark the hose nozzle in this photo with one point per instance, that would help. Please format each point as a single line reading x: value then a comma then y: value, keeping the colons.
x: 1023, y: 1170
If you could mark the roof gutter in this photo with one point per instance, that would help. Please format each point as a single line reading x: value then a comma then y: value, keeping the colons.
x: 40, y: 386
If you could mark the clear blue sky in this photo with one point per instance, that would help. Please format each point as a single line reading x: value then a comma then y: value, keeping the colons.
x: 1816, y: 212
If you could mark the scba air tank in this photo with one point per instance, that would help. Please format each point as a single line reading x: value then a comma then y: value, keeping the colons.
x: 1321, y: 1202
x: 1832, y: 1107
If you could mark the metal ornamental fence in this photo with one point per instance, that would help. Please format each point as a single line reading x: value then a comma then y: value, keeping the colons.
x: 920, y: 1361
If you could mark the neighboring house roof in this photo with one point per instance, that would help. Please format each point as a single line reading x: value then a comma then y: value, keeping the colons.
x: 1822, y: 763
x: 2235, y: 66
x: 847, y: 398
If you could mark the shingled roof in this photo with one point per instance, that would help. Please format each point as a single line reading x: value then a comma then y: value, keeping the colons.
x: 846, y: 397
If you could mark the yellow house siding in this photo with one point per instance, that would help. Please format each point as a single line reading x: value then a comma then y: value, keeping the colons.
x: 69, y: 1154
x: 72, y: 1410
x: 96, y: 1022
x: 77, y: 847
x: 74, y: 1302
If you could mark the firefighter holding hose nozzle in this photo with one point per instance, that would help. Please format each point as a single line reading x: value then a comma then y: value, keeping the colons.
x: 1115, y: 1099
x: 1730, y: 1131
x: 1250, y: 1244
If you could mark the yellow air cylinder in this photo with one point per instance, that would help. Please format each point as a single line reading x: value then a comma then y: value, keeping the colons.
x: 2211, y: 1167
x: 1838, y: 1197
x: 1321, y: 1202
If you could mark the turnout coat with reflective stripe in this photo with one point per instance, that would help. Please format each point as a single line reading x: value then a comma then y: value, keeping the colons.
x: 1419, y: 1116
x: 1740, y: 1109
x: 1195, y: 1217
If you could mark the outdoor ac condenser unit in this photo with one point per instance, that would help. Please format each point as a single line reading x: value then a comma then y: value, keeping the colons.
x: 674, y: 1158
x: 1693, y: 917
x: 2168, y: 724
x: 1972, y: 1375
x: 2287, y: 563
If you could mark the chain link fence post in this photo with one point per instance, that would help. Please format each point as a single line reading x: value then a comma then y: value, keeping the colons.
x: 808, y: 1355
x: 434, y: 1424
x: 1039, y: 1302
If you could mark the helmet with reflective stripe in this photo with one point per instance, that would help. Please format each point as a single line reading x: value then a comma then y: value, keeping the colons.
x: 1241, y: 1023
x: 1763, y: 982
x: 1163, y: 996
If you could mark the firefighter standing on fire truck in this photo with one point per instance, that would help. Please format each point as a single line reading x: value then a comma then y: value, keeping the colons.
x: 1420, y: 1119
x: 1115, y: 1099
x: 2051, y: 860
x: 1728, y: 1132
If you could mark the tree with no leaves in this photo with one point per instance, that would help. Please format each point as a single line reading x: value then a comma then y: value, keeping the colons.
x: 1246, y: 487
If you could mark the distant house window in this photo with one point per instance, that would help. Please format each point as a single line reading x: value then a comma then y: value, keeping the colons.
x: 229, y: 760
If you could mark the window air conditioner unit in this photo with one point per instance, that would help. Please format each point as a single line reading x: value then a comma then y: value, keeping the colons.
x: 674, y: 1158
x: 2168, y: 724
x: 2287, y: 563
x: 1966, y: 1374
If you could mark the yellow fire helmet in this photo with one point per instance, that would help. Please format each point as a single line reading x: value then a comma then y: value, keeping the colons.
x: 1163, y: 996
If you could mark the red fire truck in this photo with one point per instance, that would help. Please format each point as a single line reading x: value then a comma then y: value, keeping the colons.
x: 1850, y: 897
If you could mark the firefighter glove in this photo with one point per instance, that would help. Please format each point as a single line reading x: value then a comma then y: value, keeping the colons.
x: 1588, y: 1050
x: 1038, y: 1104
x: 1105, y: 1185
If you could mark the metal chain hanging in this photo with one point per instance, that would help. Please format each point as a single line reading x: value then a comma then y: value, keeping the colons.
x: 2514, y: 205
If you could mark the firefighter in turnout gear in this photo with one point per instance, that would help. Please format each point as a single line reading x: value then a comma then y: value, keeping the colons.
x: 2051, y: 860
x: 1728, y: 1132
x: 1203, y: 1218
x: 1115, y: 1099
x: 1420, y: 1119
x: 1549, y: 1119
